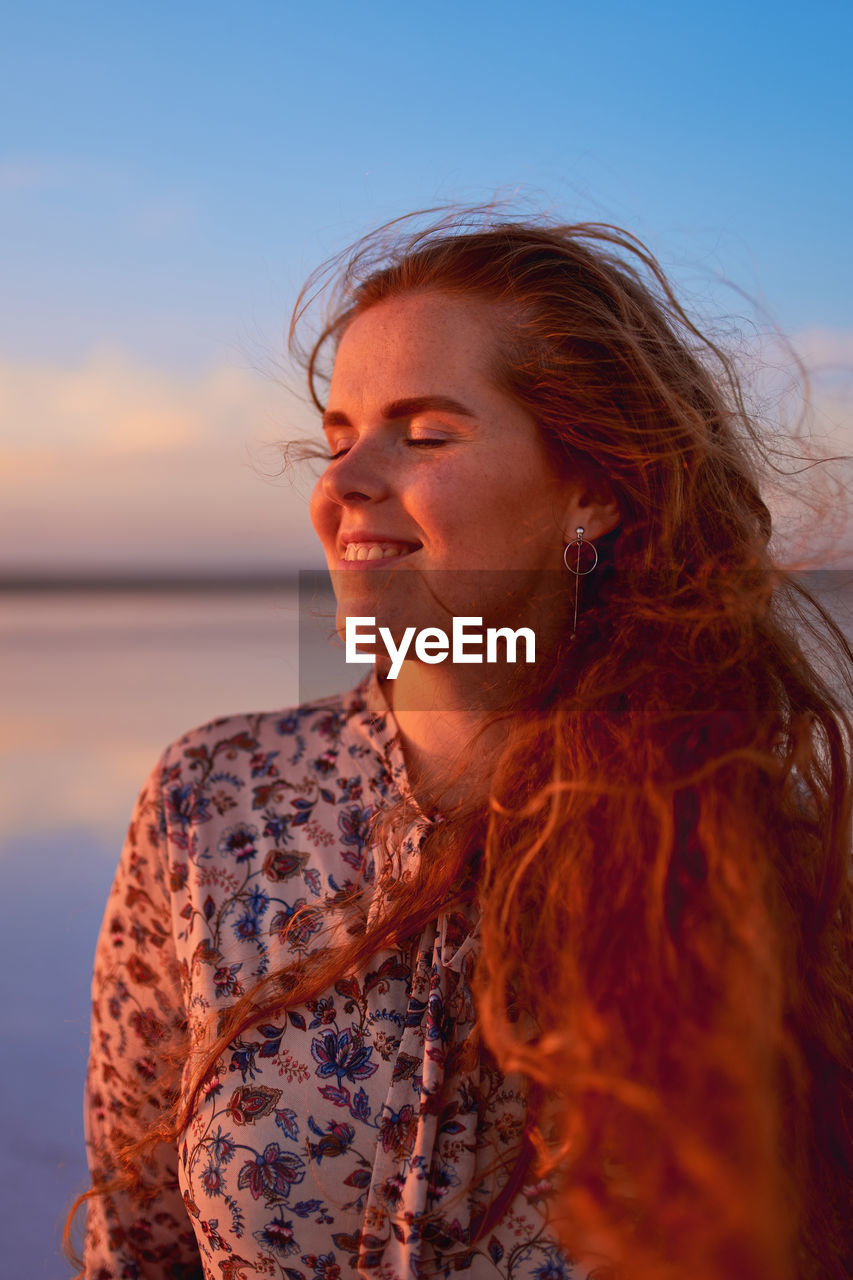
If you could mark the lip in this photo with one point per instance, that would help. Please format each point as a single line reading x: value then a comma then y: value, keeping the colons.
x: 370, y: 535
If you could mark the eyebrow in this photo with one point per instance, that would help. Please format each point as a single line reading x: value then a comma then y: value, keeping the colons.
x: 408, y: 408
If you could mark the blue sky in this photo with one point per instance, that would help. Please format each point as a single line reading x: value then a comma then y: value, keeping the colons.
x: 170, y: 173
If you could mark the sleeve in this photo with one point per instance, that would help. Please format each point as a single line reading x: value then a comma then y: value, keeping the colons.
x: 139, y: 1227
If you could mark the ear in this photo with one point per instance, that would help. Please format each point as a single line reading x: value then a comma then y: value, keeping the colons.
x: 589, y: 505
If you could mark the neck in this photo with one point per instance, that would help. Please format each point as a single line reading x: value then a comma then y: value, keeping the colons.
x: 439, y: 710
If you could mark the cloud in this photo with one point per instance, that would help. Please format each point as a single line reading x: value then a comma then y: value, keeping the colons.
x: 823, y: 350
x: 113, y: 462
x: 29, y: 174
x: 126, y: 410
x: 801, y: 391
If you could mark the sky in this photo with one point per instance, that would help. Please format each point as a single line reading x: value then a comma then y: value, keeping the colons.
x: 171, y: 173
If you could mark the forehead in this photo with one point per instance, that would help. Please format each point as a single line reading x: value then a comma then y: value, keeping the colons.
x: 417, y: 344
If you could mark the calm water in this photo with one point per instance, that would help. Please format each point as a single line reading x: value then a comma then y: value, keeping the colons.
x: 92, y: 687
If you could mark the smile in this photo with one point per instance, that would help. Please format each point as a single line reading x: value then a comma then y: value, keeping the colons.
x: 376, y: 552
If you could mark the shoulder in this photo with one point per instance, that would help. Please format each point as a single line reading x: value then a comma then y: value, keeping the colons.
x: 317, y: 736
x: 268, y: 767
x: 259, y: 815
x: 247, y: 743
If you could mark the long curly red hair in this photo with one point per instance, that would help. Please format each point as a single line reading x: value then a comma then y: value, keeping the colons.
x: 663, y: 865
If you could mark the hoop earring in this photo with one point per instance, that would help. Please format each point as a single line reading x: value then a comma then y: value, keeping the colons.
x: 579, y: 573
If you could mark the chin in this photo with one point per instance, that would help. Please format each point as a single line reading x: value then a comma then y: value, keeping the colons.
x: 391, y: 602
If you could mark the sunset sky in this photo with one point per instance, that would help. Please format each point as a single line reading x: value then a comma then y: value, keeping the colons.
x: 169, y: 174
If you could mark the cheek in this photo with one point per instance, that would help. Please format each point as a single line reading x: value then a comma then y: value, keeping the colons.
x: 462, y: 507
x: 322, y: 513
x: 519, y: 522
x: 475, y: 524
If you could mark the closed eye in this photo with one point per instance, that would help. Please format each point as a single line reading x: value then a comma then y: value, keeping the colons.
x: 413, y: 442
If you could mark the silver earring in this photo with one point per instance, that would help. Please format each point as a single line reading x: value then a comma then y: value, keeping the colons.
x: 576, y: 569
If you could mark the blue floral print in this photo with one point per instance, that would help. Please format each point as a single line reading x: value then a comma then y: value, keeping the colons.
x: 351, y: 1135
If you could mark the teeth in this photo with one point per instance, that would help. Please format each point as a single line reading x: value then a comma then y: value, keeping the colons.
x: 374, y: 550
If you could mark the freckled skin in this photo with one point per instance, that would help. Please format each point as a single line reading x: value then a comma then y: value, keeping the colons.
x: 485, y: 496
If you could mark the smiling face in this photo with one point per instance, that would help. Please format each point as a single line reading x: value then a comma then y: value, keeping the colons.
x: 433, y: 467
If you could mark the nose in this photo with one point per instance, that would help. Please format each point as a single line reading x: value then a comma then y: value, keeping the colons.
x: 358, y: 476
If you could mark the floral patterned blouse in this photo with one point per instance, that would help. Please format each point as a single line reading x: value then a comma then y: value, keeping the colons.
x: 318, y: 1149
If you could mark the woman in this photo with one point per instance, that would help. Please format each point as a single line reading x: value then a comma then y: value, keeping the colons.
x: 534, y: 970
